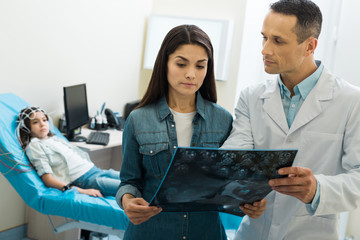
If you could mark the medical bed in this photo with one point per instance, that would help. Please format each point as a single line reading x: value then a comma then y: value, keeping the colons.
x: 79, y: 210
x: 82, y: 211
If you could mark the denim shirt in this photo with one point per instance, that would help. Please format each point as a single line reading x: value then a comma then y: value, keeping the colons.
x: 149, y: 140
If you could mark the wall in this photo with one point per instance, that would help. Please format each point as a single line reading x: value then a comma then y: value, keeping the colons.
x: 348, y: 51
x: 12, y: 207
x: 346, y: 64
x: 45, y: 45
x: 209, y: 9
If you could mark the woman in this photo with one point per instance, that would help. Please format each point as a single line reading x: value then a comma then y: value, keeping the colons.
x: 178, y: 109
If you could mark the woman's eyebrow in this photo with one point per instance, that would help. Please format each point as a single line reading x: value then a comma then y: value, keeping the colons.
x: 203, y: 60
x: 182, y: 58
x: 185, y: 59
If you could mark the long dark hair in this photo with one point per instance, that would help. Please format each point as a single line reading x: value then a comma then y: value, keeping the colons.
x: 176, y: 37
x: 24, y: 124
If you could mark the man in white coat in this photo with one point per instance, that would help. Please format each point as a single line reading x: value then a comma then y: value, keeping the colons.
x: 309, y: 109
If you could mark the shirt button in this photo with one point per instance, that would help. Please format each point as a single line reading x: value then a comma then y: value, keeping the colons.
x: 174, y: 147
x: 184, y: 237
x: 172, y: 125
x: 185, y: 216
x: 151, y: 151
x: 293, y: 105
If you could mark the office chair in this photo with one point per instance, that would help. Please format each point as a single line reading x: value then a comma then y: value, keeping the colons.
x: 129, y: 107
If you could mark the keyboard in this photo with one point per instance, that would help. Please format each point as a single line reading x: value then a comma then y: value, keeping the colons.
x: 100, y: 138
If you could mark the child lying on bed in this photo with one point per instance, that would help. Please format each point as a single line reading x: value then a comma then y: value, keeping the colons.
x: 60, y: 164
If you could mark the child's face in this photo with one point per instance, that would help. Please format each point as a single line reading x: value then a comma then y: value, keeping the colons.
x: 39, y: 125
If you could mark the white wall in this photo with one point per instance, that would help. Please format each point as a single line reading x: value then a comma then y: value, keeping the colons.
x: 345, y: 66
x: 45, y: 45
x: 348, y: 51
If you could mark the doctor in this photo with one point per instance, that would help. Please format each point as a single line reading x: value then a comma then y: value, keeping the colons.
x: 309, y: 109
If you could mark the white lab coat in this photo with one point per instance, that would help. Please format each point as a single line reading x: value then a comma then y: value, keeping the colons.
x: 326, y: 132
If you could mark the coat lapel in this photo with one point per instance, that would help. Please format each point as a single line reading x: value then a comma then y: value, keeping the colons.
x: 312, y: 107
x: 273, y: 105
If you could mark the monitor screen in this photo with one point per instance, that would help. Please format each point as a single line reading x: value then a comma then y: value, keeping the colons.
x: 76, y: 109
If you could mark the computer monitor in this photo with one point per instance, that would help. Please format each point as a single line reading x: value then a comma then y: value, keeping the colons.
x: 76, y: 110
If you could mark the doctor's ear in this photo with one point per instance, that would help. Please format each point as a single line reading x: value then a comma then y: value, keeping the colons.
x: 311, y: 44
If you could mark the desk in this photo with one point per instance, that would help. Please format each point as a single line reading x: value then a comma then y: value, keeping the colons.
x: 109, y: 156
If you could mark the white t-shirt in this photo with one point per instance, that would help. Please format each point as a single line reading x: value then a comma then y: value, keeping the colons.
x: 184, y: 129
x: 58, y: 157
x: 77, y: 165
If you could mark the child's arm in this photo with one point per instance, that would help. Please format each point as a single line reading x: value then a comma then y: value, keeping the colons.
x: 50, y: 181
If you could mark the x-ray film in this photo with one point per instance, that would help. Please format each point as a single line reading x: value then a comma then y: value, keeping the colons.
x: 208, y: 179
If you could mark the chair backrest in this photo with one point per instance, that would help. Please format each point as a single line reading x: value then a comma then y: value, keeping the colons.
x: 129, y: 107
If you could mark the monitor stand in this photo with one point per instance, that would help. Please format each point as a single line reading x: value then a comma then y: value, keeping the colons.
x: 79, y: 139
x: 70, y: 135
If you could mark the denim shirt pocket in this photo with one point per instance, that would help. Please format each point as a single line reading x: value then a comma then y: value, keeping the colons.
x: 213, y: 139
x: 155, y: 158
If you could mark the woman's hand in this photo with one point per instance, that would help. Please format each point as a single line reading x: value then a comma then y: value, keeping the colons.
x: 90, y: 192
x: 137, y: 209
x: 254, y: 210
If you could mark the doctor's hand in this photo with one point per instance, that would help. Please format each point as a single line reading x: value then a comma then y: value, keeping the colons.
x: 254, y: 210
x: 137, y: 209
x: 300, y: 183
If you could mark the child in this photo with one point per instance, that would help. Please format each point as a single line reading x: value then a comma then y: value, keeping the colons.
x: 60, y: 164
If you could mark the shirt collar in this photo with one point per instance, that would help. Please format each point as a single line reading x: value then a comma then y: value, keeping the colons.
x: 305, y: 86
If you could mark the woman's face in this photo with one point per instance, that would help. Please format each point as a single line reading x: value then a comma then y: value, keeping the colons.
x: 39, y: 125
x: 186, y: 70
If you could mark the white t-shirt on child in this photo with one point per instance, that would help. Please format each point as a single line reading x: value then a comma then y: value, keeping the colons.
x: 58, y: 157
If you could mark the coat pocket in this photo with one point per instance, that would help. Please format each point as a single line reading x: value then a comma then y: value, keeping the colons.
x: 321, y: 152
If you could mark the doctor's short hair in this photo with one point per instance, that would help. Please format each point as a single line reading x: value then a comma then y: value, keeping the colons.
x: 308, y: 14
x: 176, y: 37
